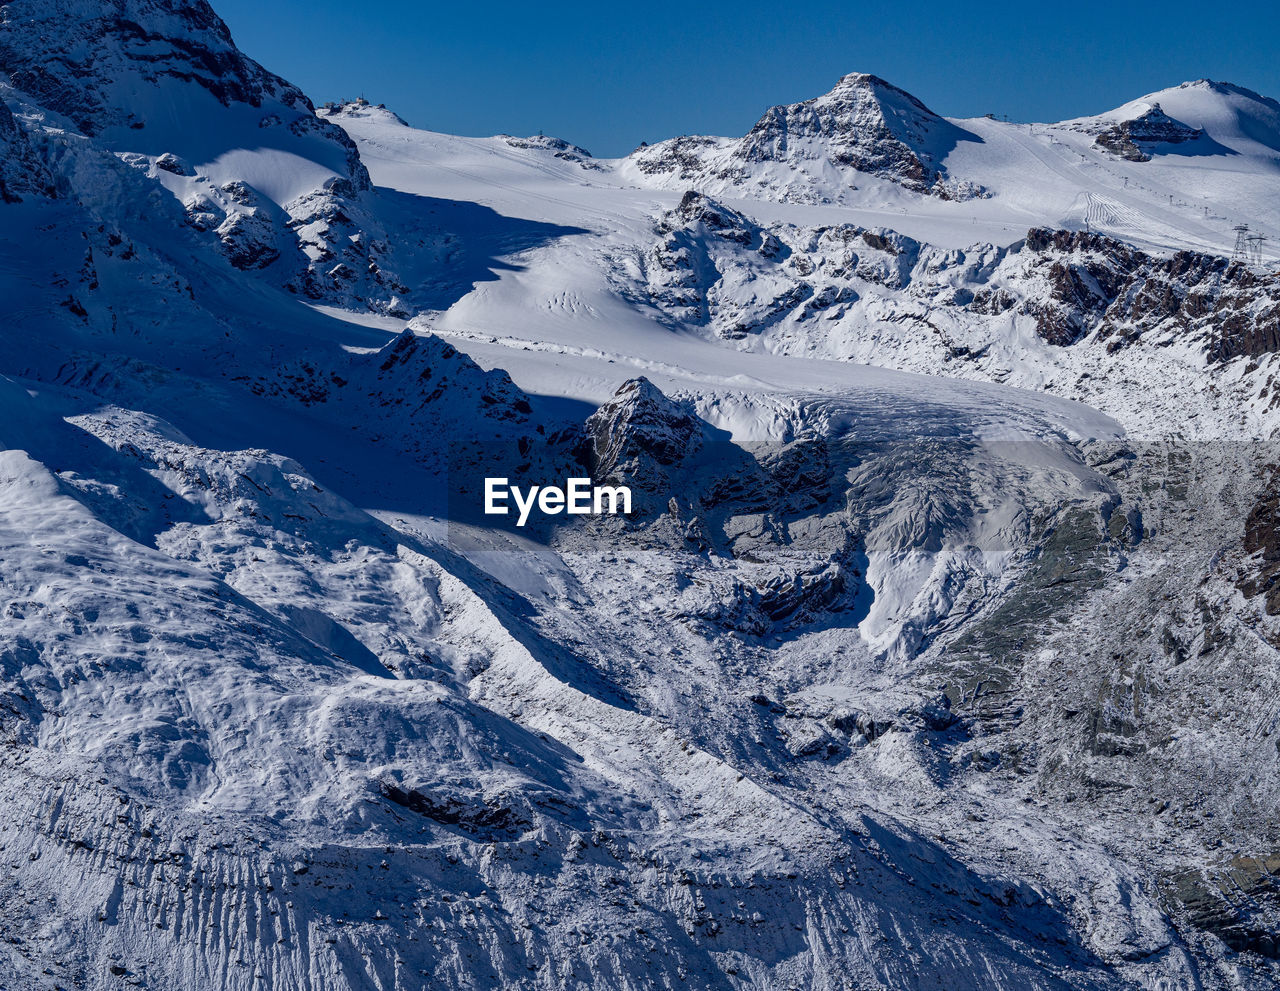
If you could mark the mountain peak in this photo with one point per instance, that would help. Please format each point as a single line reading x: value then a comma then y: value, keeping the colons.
x: 1228, y: 89
x: 86, y: 61
x: 1238, y: 119
x: 864, y: 123
x: 863, y: 126
x: 640, y: 426
x: 361, y: 109
x: 866, y: 81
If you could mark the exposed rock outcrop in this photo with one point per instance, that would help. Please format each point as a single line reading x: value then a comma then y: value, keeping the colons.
x: 1133, y: 139
x: 639, y: 435
x: 1099, y: 283
x: 22, y: 173
x: 558, y: 147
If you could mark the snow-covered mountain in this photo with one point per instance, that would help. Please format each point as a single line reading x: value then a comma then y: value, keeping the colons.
x: 161, y: 84
x: 1236, y: 120
x: 1208, y: 148
x: 940, y: 649
x: 811, y: 151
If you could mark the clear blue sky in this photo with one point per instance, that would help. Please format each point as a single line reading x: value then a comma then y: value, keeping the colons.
x: 609, y: 74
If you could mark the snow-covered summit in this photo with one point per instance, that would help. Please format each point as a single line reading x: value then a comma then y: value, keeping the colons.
x: 864, y: 123
x: 817, y: 150
x: 156, y: 76
x: 360, y: 109
x: 161, y: 85
x: 1239, y: 120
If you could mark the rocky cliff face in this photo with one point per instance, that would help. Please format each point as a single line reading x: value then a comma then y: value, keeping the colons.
x: 271, y: 185
x: 864, y: 123
x: 1100, y: 285
x: 21, y: 170
x: 1133, y: 139
x: 1262, y: 542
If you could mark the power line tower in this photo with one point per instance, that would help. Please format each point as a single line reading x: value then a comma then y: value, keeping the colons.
x: 1255, y: 249
x: 1241, y: 251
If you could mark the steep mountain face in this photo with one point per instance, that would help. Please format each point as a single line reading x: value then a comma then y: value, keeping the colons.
x: 1100, y: 286
x: 21, y: 170
x: 162, y: 84
x: 890, y: 680
x: 102, y: 65
x: 816, y: 150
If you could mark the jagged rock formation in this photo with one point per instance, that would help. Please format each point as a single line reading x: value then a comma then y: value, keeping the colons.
x: 639, y: 434
x: 276, y: 187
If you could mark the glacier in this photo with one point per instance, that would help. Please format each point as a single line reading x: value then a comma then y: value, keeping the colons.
x: 939, y: 651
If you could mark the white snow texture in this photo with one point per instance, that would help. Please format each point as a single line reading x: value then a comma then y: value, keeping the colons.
x: 942, y: 648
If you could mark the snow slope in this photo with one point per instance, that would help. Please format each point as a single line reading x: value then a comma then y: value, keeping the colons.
x: 161, y: 85
x: 939, y: 654
x: 593, y: 293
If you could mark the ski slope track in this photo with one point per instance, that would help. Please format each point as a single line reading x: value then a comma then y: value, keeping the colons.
x: 941, y: 648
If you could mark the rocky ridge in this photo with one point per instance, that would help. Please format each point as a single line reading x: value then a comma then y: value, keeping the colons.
x: 297, y: 206
x: 1132, y: 139
x: 790, y: 287
x: 863, y: 126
